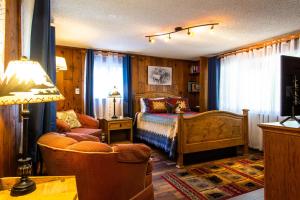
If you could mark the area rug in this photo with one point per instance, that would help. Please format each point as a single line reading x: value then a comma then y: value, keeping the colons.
x: 219, y: 180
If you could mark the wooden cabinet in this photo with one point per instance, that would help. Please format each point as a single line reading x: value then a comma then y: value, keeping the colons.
x: 123, y: 123
x: 282, y: 160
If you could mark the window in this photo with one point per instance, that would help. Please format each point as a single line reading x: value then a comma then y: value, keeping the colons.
x: 108, y: 72
x: 252, y: 80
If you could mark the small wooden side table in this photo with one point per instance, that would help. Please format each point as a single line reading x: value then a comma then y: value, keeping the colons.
x: 47, y: 187
x: 121, y: 123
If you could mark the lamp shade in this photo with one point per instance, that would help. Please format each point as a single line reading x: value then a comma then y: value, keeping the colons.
x: 115, y: 93
x: 25, y: 81
x: 61, y: 64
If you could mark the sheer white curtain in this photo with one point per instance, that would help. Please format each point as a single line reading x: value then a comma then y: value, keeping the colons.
x: 252, y: 80
x: 108, y: 72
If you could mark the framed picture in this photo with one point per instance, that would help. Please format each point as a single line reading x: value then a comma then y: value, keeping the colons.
x: 159, y: 75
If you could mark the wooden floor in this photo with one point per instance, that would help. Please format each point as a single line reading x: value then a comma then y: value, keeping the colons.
x: 164, y: 191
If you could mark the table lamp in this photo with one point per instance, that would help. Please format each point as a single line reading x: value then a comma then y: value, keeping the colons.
x: 25, y: 81
x: 114, y: 94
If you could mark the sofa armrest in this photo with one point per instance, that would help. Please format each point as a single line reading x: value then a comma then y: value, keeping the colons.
x: 88, y: 121
x: 132, y: 153
x: 62, y: 126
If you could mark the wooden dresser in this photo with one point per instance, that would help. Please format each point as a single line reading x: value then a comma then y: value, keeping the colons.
x: 282, y: 160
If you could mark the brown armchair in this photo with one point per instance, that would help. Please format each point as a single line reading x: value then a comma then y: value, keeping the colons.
x: 89, y: 126
x: 102, y: 172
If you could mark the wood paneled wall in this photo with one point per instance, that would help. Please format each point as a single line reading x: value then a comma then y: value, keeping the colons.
x: 180, y: 70
x: 68, y: 81
x: 73, y: 78
x: 9, y: 125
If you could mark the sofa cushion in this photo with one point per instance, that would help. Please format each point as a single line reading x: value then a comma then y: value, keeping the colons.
x: 89, y: 146
x: 82, y: 137
x: 56, y: 140
x: 132, y: 153
x: 69, y: 117
x: 87, y: 131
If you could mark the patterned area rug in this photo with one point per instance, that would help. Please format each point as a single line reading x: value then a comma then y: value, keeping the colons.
x: 219, y: 180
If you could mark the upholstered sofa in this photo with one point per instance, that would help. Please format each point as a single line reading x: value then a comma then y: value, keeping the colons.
x: 120, y: 172
x: 88, y: 125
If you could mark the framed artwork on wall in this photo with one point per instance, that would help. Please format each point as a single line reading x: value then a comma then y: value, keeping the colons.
x: 159, y: 75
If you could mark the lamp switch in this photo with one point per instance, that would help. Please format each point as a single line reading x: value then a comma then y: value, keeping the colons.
x: 77, y: 91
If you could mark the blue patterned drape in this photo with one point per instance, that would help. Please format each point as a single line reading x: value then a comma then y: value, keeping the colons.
x: 42, y: 115
x: 127, y: 96
x: 89, y: 90
x: 213, y: 83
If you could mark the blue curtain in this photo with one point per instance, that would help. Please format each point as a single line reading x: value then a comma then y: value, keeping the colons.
x: 213, y: 83
x: 127, y: 96
x: 42, y: 115
x: 89, y: 90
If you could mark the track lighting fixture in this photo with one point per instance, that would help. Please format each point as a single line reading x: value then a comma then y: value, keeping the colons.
x: 177, y: 29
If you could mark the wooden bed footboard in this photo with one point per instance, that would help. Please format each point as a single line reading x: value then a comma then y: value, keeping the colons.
x: 211, y: 130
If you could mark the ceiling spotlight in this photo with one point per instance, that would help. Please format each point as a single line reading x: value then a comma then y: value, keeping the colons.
x: 167, y: 39
x: 212, y: 27
x: 190, y: 33
x: 151, y: 40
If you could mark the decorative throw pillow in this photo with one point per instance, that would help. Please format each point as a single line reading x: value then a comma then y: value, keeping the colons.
x: 171, y: 108
x: 69, y: 117
x: 155, y: 105
x: 183, y: 103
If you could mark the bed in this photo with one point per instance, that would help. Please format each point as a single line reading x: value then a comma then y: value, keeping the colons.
x: 179, y: 134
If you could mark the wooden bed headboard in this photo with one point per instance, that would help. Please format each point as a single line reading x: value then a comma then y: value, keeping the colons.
x: 138, y: 96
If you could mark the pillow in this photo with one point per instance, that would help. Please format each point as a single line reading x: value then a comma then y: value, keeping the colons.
x: 183, y: 103
x: 171, y: 108
x: 69, y: 117
x: 142, y: 105
x: 156, y: 105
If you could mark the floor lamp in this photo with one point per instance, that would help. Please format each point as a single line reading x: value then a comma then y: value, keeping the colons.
x: 24, y: 82
x: 114, y: 94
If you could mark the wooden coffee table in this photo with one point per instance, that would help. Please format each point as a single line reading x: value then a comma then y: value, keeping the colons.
x: 121, y: 123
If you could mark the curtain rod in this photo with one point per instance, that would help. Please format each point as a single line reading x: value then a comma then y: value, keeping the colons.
x: 107, y: 52
x: 259, y: 45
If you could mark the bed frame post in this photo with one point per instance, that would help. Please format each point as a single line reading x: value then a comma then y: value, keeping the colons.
x: 180, y: 141
x: 246, y: 129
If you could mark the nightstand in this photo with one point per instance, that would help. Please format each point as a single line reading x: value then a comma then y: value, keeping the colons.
x: 121, y: 123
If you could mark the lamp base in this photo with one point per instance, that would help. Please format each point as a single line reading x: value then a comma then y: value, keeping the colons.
x: 25, y: 185
x: 114, y: 117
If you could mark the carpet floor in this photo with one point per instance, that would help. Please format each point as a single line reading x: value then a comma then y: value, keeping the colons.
x: 218, y: 180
